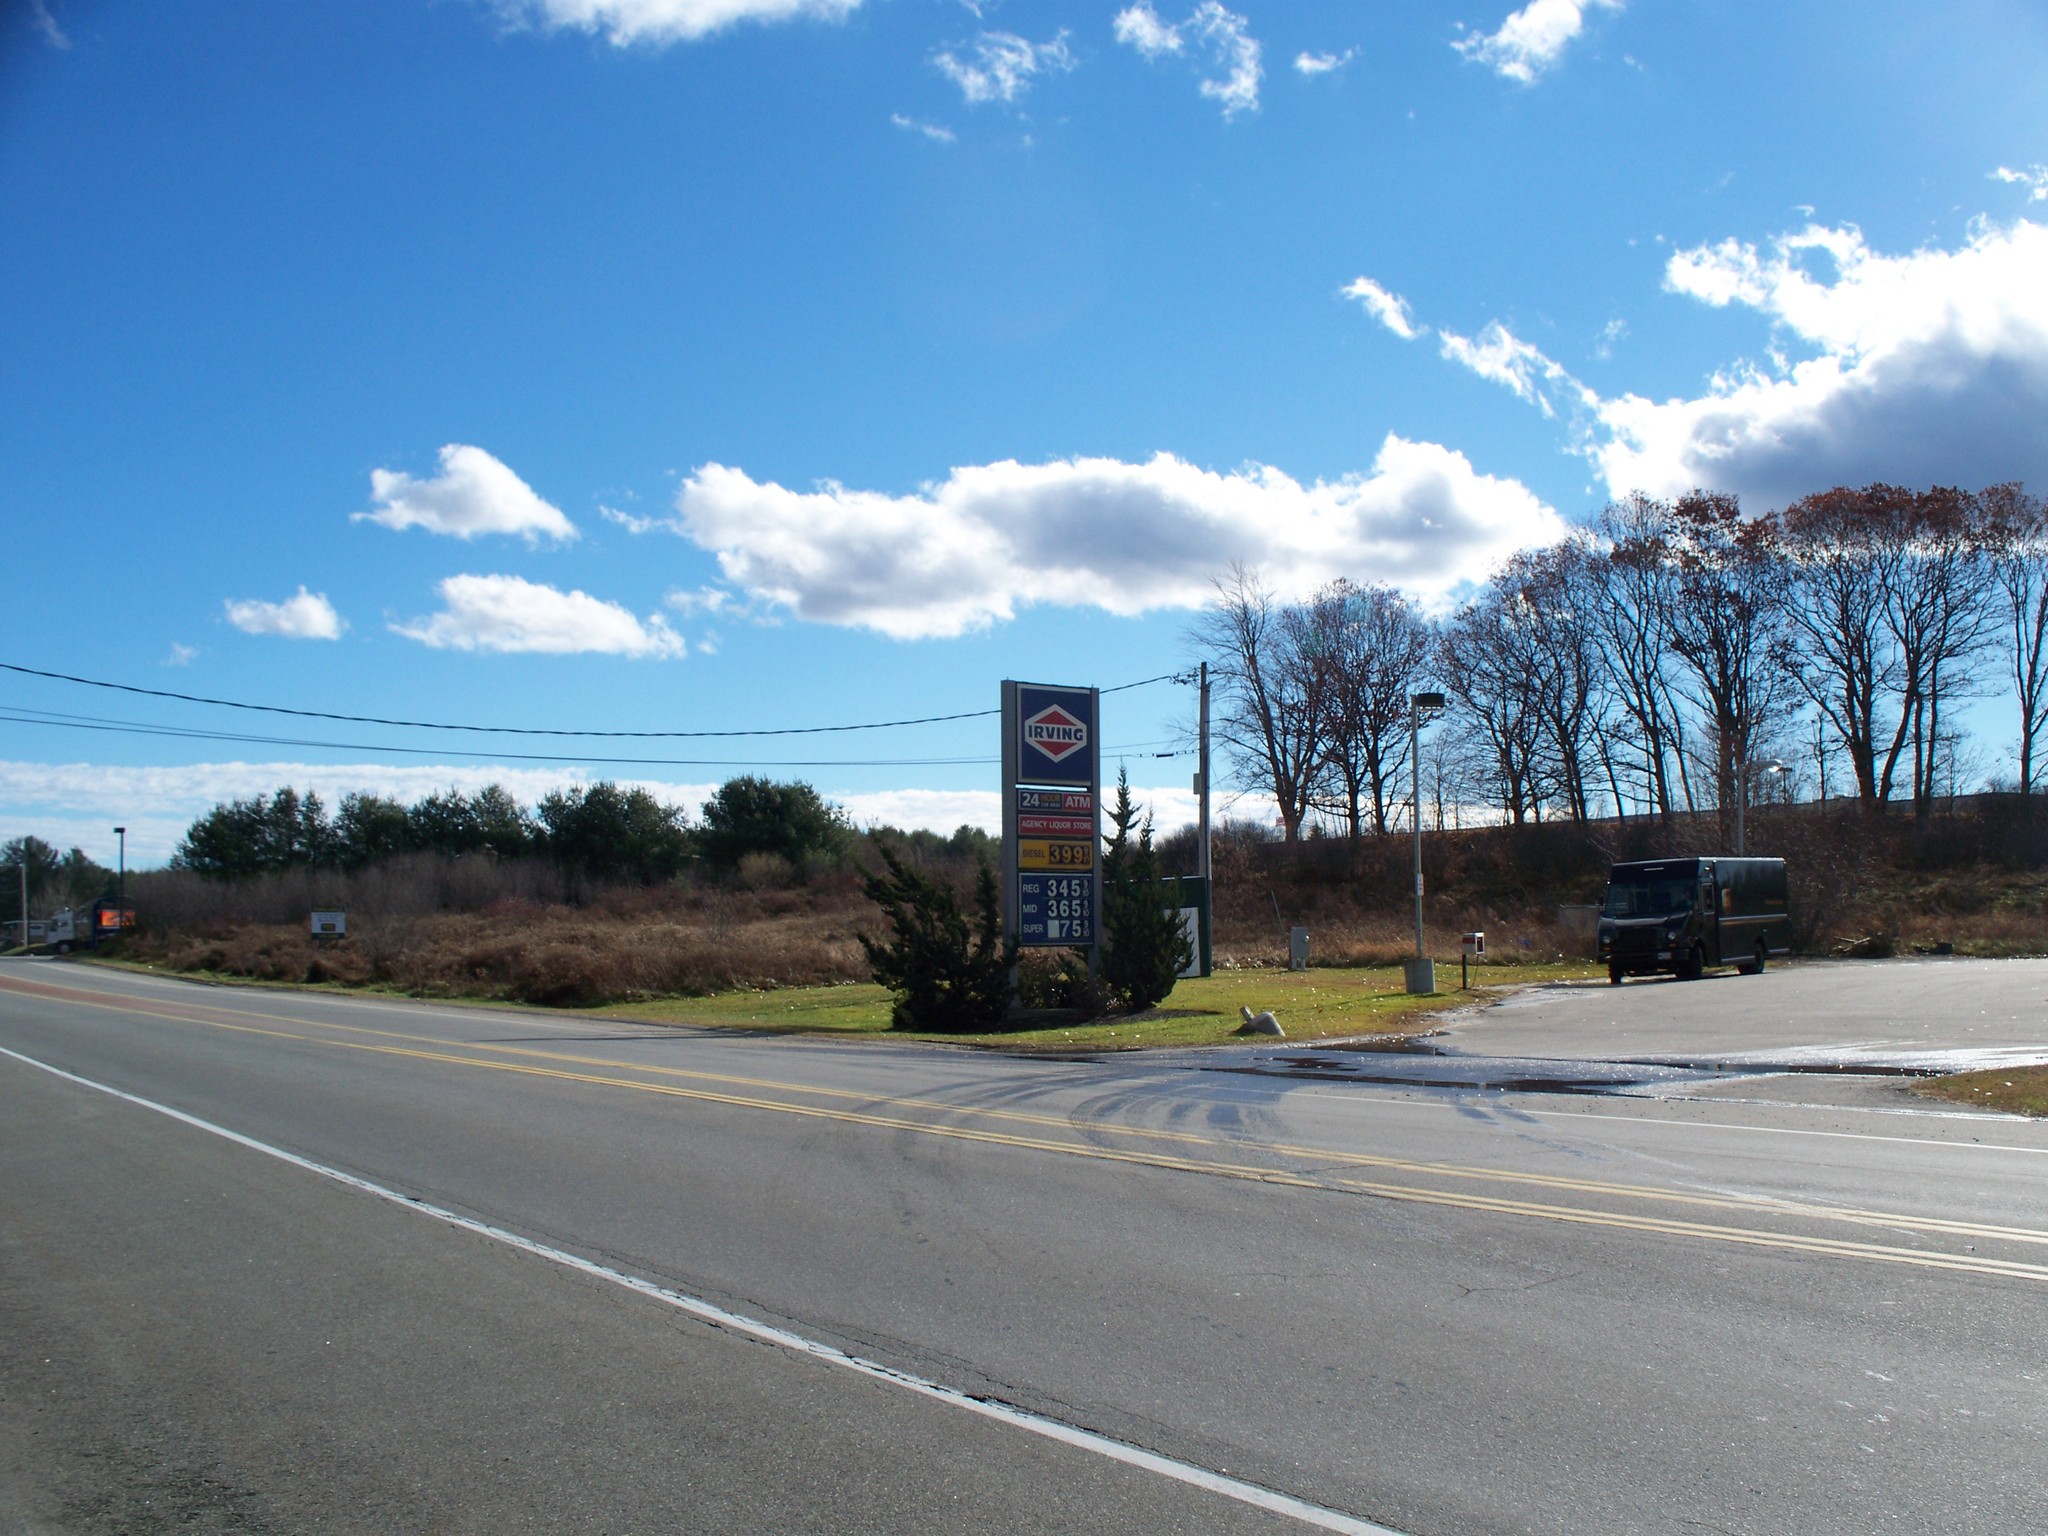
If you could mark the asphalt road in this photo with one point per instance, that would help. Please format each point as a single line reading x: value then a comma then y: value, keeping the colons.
x: 1438, y: 1311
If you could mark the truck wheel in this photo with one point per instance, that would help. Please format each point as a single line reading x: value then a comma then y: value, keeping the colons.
x: 1613, y: 974
x: 1693, y: 965
x: 1763, y: 958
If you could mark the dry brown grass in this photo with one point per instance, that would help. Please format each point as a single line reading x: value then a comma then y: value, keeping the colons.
x: 512, y: 930
x: 715, y: 941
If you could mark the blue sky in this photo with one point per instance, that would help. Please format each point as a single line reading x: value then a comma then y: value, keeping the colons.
x: 730, y: 364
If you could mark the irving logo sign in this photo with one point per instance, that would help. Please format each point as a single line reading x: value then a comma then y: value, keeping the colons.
x: 1056, y: 733
x: 1051, y: 735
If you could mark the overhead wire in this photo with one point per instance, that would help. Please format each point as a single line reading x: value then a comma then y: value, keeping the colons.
x: 22, y: 716
x: 519, y: 730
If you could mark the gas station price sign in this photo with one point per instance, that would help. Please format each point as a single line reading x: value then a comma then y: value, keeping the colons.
x: 1056, y: 909
x: 1052, y: 784
x: 1045, y: 853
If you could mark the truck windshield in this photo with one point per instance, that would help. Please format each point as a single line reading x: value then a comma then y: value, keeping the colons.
x: 1652, y: 897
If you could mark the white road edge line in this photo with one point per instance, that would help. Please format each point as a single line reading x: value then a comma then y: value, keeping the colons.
x: 1219, y: 1483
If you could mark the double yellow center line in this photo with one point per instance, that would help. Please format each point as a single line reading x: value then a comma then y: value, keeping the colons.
x: 1424, y: 1182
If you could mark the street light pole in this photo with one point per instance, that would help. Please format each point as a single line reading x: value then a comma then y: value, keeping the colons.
x: 1421, y: 974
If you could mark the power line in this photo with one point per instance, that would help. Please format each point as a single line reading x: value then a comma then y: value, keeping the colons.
x: 520, y: 730
x: 183, y: 733
x: 105, y: 726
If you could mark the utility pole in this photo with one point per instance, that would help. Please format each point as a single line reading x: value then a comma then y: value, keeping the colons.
x: 121, y: 887
x: 1202, y: 782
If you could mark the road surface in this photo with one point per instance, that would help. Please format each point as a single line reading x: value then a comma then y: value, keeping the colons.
x: 342, y: 1264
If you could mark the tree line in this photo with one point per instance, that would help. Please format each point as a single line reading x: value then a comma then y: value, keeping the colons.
x: 602, y: 832
x: 1653, y: 659
x: 54, y: 879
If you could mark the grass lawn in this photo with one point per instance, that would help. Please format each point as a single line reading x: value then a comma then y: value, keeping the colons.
x: 1314, y: 1004
x: 2017, y: 1090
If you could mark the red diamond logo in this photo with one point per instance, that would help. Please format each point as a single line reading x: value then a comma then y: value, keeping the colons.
x: 1055, y: 733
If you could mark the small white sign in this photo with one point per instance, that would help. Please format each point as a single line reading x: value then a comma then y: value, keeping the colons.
x: 1191, y: 927
x: 330, y: 925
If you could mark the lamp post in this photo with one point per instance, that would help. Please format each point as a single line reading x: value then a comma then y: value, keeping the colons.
x: 1743, y: 773
x: 121, y: 886
x: 1421, y: 970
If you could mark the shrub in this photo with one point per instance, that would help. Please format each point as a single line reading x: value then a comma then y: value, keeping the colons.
x: 1058, y: 979
x: 1144, y: 947
x: 948, y: 978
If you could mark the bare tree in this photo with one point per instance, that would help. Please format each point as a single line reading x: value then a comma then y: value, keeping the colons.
x: 1374, y: 647
x: 1726, y: 630
x: 1629, y: 555
x: 1554, y: 597
x: 1488, y: 661
x: 2017, y: 541
x: 1272, y: 714
x: 1843, y: 552
x: 1942, y: 614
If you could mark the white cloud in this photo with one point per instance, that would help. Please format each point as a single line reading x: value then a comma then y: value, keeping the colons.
x: 658, y: 22
x: 1232, y: 52
x: 1103, y: 533
x: 1390, y: 309
x: 630, y: 522
x: 506, y: 613
x: 1502, y: 356
x: 473, y: 495
x: 932, y: 131
x: 2034, y: 178
x: 181, y: 655
x: 935, y: 810
x: 1313, y: 64
x: 308, y: 616
x: 712, y: 601
x: 1141, y: 27
x: 999, y: 66
x: 45, y: 22
x: 943, y: 810
x: 1926, y: 368
x: 1533, y: 38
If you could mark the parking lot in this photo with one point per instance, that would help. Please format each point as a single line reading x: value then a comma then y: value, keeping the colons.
x: 1911, y: 1013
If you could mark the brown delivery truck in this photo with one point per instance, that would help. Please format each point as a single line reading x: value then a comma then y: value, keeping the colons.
x: 1679, y: 916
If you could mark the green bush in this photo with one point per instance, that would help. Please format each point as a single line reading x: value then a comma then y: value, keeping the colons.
x: 1144, y: 947
x: 949, y: 976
